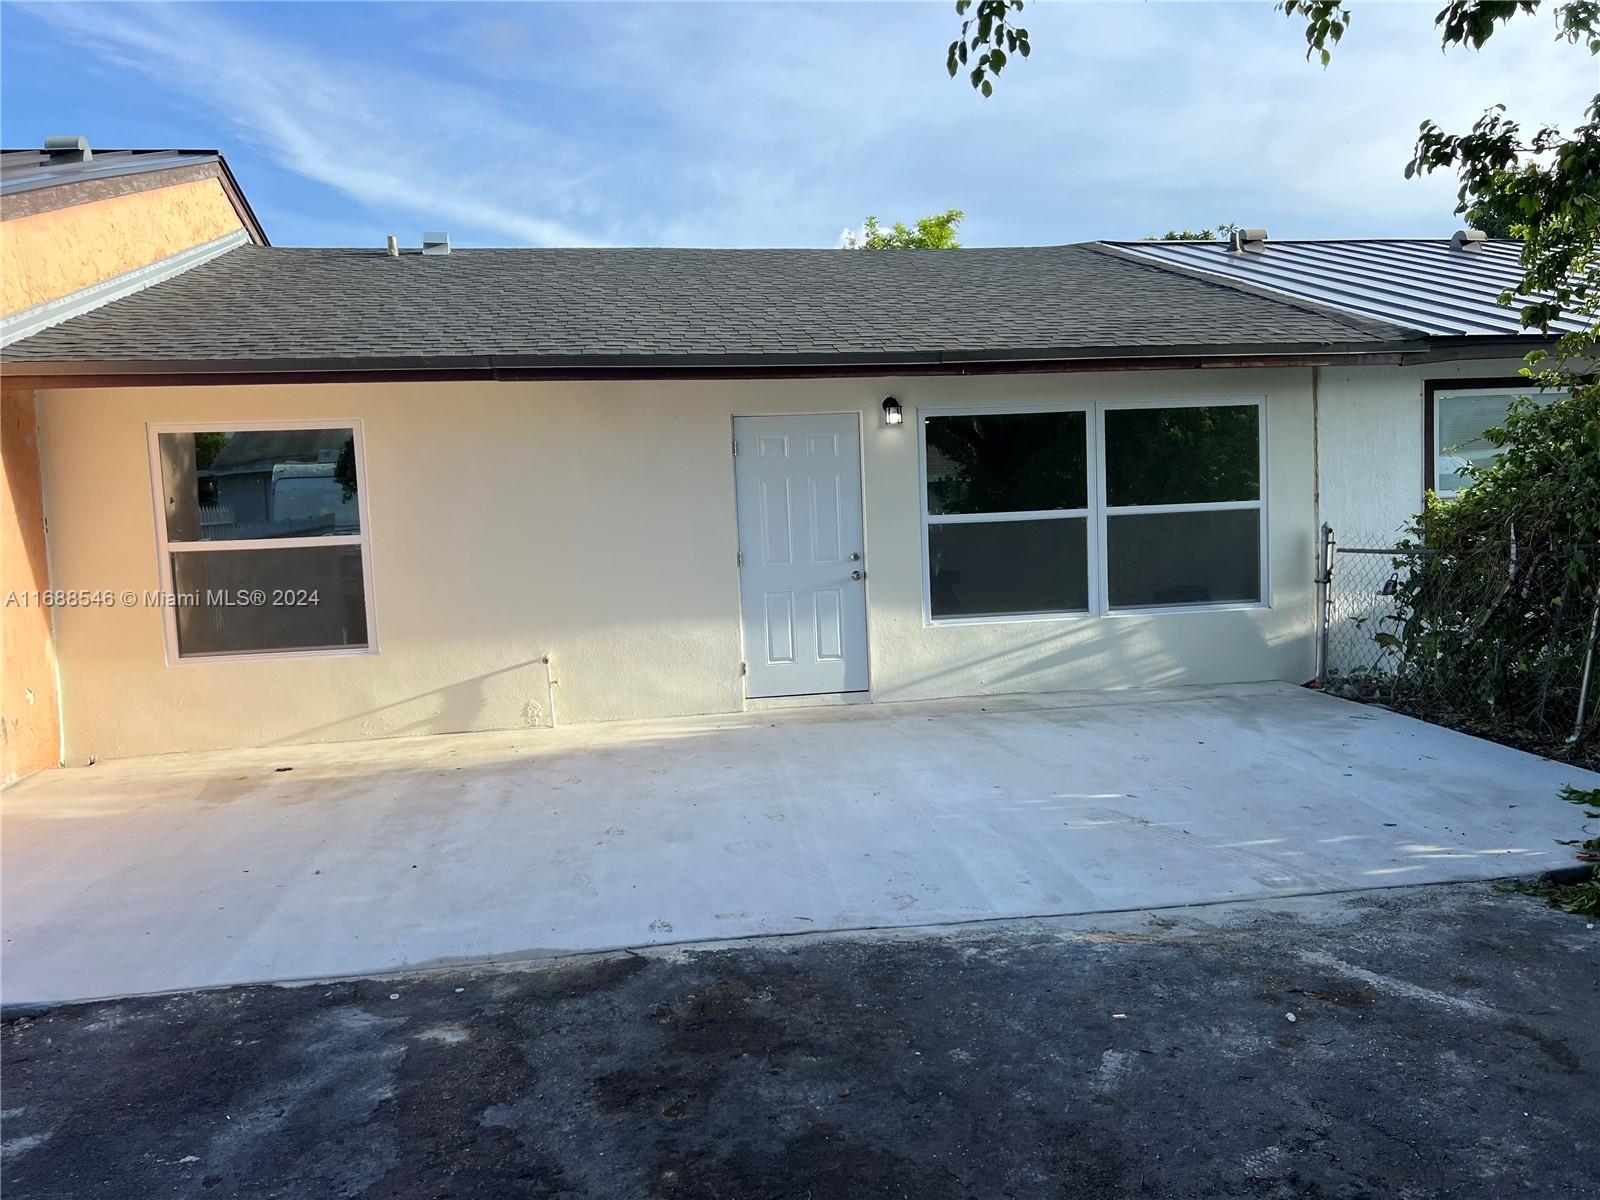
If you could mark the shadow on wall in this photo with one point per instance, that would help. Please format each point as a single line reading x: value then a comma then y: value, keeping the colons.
x: 1148, y: 650
x: 1092, y: 645
x: 22, y: 482
x: 1172, y: 653
x: 30, y: 738
x: 456, y: 708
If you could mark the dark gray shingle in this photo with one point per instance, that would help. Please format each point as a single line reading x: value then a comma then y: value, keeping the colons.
x: 282, y: 305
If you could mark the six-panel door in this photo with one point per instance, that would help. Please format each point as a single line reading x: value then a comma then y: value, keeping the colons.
x: 803, y: 571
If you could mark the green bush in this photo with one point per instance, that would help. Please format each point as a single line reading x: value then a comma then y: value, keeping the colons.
x: 1581, y: 898
x: 1496, y: 620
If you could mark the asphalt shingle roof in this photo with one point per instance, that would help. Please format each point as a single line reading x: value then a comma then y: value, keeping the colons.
x: 283, y: 306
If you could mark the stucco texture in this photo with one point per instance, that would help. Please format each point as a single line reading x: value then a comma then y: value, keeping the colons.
x: 30, y: 732
x: 53, y: 254
x: 1370, y: 443
x: 596, y: 523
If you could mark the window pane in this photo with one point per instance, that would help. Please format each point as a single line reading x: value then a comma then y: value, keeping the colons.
x: 1184, y: 558
x: 263, y: 483
x: 230, y: 601
x: 1001, y: 568
x: 1459, y: 424
x: 1007, y: 462
x: 1197, y: 455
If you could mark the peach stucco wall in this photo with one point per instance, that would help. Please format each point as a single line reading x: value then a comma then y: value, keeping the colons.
x: 52, y: 254
x: 31, y: 735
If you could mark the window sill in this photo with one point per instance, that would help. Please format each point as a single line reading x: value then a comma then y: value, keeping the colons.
x: 1003, y: 619
x: 271, y: 655
x: 1153, y: 611
x: 1156, y: 610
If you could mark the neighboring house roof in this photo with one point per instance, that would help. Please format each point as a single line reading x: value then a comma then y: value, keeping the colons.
x: 1425, y: 284
x: 104, y: 173
x: 26, y: 170
x: 252, y: 447
x: 279, y: 309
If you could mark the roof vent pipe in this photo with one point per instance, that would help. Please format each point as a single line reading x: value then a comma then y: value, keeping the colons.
x: 436, y: 243
x: 1248, y: 241
x: 1468, y: 239
x: 68, y: 149
x: 394, y: 246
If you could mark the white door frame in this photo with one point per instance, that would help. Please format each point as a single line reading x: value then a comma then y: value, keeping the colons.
x: 866, y: 583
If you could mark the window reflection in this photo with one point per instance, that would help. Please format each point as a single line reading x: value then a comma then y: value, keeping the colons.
x: 260, y: 483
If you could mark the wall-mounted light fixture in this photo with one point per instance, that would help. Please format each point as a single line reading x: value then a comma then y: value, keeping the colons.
x: 893, y: 414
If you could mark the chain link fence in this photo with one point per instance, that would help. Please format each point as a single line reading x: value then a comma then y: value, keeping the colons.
x: 1499, y: 641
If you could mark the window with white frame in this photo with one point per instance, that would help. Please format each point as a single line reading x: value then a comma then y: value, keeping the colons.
x: 1461, y: 419
x: 1095, y: 508
x: 1008, y: 512
x: 263, y: 538
x: 1182, y: 494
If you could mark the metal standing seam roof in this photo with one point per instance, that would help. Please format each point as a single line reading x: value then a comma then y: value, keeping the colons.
x: 1426, y: 284
x: 278, y: 308
x: 26, y: 170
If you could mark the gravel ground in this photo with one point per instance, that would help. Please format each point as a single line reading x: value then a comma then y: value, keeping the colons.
x: 1445, y: 1043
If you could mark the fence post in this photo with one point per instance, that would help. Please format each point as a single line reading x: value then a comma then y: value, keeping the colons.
x: 1324, y: 581
x: 1588, y: 667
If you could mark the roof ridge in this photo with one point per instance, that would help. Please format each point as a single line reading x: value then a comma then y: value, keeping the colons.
x: 1096, y: 245
x: 1367, y: 326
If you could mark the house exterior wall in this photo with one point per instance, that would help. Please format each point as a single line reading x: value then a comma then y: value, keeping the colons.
x: 30, y: 731
x: 596, y: 523
x: 55, y: 253
x: 1370, y: 443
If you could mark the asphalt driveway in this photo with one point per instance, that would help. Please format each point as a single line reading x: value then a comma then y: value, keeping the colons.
x: 312, y: 862
x: 1444, y: 1044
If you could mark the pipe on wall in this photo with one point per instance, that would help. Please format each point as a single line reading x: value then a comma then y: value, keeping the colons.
x: 550, y: 687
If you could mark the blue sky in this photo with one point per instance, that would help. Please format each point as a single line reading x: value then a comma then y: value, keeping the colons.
x: 759, y: 124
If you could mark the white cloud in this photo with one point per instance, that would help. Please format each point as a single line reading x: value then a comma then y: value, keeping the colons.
x: 392, y: 139
x: 774, y: 124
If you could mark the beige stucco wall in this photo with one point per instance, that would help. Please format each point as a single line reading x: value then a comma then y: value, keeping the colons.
x: 596, y: 522
x: 1370, y: 436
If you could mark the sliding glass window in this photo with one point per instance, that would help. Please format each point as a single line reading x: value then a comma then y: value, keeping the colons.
x: 263, y: 539
x: 1182, y: 505
x: 1101, y: 508
x: 1007, y: 508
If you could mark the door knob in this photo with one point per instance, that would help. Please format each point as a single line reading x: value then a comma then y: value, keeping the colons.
x: 858, y: 574
x: 855, y: 558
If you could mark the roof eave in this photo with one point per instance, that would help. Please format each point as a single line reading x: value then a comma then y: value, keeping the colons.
x: 532, y: 367
x: 241, y: 202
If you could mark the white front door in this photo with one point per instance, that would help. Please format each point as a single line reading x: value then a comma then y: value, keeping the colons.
x: 802, y: 573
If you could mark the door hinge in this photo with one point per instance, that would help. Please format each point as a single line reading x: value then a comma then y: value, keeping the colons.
x: 736, y: 448
x: 738, y: 556
x: 744, y: 668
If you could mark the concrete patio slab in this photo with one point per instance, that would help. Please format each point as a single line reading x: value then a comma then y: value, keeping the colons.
x: 318, y: 861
